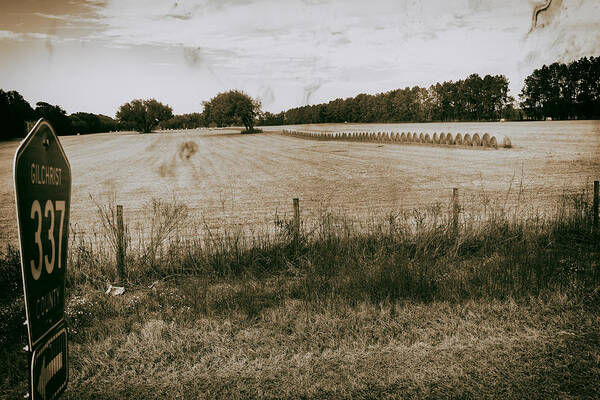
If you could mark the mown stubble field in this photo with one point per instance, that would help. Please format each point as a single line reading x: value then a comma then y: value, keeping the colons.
x: 231, y: 180
x: 507, y: 307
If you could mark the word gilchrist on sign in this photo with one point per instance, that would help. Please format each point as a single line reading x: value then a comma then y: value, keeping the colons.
x: 42, y: 177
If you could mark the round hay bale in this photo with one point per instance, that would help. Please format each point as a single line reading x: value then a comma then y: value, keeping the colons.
x: 449, y: 139
x: 436, y: 138
x: 476, y: 140
x: 506, y: 143
x: 493, y: 142
x: 467, y: 141
x: 485, y: 140
x: 442, y: 138
x: 458, y: 139
x: 403, y: 137
x: 427, y: 138
x: 421, y: 138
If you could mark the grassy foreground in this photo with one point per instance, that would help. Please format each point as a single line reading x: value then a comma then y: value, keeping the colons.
x: 402, y: 309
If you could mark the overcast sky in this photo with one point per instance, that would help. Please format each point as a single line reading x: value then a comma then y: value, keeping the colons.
x: 93, y: 56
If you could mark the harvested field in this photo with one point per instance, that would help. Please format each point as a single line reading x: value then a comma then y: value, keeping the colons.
x: 232, y: 180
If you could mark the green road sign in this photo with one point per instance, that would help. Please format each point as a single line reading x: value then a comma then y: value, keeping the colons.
x: 49, y: 371
x: 42, y: 176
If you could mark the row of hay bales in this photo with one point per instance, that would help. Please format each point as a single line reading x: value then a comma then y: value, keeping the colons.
x: 407, y: 137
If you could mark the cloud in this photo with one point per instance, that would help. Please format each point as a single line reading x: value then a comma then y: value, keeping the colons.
x: 28, y: 35
x: 9, y: 35
x: 565, y: 31
x: 310, y: 45
x: 295, y: 52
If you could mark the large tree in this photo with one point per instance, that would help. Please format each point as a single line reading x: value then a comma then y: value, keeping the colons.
x: 231, y: 108
x: 14, y: 111
x: 143, y: 115
x: 56, y: 115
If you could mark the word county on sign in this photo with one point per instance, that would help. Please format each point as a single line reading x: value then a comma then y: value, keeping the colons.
x: 42, y: 176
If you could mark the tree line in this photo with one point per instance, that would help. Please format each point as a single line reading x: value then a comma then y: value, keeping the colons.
x: 226, y: 109
x: 559, y: 91
x: 563, y: 91
x: 471, y: 99
x: 18, y: 116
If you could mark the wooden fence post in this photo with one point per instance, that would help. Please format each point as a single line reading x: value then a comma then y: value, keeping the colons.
x: 296, y: 219
x: 455, y: 211
x: 120, y: 244
x: 596, y: 201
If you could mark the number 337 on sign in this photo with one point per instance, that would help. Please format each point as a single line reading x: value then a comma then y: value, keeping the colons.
x: 49, y: 213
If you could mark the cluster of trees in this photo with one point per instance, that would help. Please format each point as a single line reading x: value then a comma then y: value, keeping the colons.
x: 225, y: 109
x: 14, y: 111
x: 17, y: 116
x: 473, y: 98
x: 563, y: 91
x: 85, y: 123
x: 184, y: 121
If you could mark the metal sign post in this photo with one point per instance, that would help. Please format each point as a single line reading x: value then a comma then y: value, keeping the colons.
x: 42, y: 177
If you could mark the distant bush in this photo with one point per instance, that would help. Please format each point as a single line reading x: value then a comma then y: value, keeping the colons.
x: 255, y: 130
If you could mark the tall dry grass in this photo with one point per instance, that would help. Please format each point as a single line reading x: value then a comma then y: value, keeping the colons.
x: 411, y: 254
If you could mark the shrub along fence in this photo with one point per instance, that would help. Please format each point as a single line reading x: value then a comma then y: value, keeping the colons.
x: 457, y: 140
